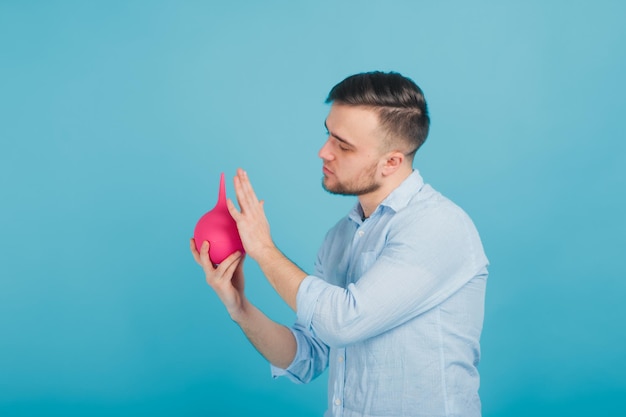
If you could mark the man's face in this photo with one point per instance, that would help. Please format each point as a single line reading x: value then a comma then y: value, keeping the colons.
x: 352, y: 154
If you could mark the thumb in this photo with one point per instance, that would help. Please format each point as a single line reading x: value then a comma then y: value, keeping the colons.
x: 233, y: 210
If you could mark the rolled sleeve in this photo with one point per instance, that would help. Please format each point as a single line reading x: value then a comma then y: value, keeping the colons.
x: 309, y: 292
x: 290, y: 371
x: 311, y: 357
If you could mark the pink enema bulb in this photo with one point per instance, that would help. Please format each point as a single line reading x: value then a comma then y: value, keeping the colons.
x: 219, y: 228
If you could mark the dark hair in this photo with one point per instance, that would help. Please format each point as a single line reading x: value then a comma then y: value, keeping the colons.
x: 399, y: 102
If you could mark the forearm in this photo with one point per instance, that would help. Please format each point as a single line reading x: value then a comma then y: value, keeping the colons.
x: 274, y: 341
x: 282, y: 274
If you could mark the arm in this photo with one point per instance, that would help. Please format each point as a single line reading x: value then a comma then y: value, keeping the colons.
x: 423, y: 261
x: 274, y: 341
x: 411, y: 275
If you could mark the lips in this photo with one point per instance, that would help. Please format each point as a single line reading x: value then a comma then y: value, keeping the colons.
x: 326, y: 171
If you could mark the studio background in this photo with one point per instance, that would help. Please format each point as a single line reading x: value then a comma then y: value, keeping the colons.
x: 117, y: 117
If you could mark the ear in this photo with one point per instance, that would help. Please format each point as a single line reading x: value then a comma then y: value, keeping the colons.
x: 392, y: 162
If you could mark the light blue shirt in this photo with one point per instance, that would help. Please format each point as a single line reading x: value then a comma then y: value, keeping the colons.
x: 395, y: 310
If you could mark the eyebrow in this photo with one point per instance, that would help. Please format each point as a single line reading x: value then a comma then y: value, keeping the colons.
x: 340, y: 139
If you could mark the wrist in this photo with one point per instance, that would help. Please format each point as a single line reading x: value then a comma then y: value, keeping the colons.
x: 265, y: 253
x: 239, y: 314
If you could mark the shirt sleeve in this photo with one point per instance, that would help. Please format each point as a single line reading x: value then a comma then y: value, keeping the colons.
x: 311, y: 357
x: 423, y: 262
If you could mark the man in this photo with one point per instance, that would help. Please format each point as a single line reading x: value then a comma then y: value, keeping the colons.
x: 394, y: 308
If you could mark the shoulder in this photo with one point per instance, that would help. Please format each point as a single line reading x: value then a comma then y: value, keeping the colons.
x: 430, y: 212
x: 429, y: 203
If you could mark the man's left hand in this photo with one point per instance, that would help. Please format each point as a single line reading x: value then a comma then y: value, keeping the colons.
x: 254, y: 229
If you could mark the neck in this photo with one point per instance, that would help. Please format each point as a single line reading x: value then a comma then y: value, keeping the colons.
x: 370, y: 201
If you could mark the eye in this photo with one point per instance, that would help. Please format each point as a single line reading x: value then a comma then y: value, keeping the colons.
x: 342, y: 146
x: 337, y: 143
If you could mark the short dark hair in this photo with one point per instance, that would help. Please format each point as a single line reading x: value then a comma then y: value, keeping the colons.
x: 399, y: 102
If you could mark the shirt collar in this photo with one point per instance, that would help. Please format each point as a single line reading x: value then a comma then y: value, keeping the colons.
x: 397, y: 199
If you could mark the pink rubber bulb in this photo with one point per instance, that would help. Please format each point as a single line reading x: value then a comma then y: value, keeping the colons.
x: 219, y: 228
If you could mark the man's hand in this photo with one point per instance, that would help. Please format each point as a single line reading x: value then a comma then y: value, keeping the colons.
x: 226, y: 279
x: 254, y: 229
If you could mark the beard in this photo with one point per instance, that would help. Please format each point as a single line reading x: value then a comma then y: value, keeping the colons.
x: 364, y: 183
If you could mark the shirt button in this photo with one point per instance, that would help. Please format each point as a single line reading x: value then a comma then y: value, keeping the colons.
x: 337, y: 401
x: 340, y: 359
x: 361, y: 233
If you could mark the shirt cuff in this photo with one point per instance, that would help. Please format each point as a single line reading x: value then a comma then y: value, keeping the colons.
x: 292, y: 372
x: 306, y: 299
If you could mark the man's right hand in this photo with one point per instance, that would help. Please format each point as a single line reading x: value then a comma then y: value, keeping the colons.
x: 275, y: 341
x: 226, y: 279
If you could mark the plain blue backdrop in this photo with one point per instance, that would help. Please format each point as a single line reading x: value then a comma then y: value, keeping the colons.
x: 117, y: 117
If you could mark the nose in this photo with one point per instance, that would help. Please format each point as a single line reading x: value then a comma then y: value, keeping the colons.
x: 325, y: 152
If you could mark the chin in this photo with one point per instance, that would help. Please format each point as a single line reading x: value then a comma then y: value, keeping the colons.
x: 327, y: 185
x: 334, y: 188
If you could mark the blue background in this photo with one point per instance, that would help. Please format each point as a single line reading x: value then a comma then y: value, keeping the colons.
x: 116, y: 119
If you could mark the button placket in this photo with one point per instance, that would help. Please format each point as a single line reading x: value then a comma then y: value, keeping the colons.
x: 340, y: 382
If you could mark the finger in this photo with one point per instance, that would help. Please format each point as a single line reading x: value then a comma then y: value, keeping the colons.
x: 229, y: 260
x: 240, y: 263
x: 194, y: 250
x: 234, y: 213
x: 205, y: 258
x: 239, y: 193
x: 246, y: 191
x: 227, y: 266
x: 230, y: 269
x: 249, y: 190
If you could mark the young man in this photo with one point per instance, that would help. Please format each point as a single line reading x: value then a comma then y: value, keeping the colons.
x: 394, y: 308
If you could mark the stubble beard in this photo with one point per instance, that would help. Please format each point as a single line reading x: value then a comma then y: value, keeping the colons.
x: 364, y: 184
